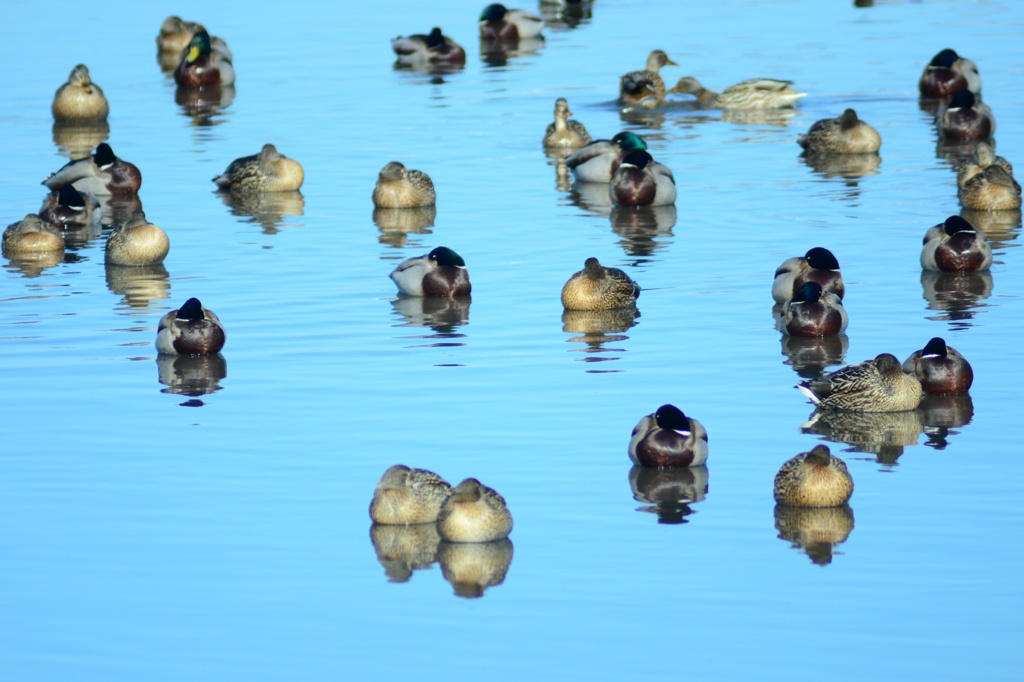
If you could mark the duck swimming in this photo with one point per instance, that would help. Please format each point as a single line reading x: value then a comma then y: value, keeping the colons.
x: 941, y: 369
x: 190, y: 330
x: 641, y: 181
x: 474, y: 513
x: 846, y: 134
x: 203, y: 66
x: 137, y: 242
x: 955, y: 246
x: 965, y: 118
x: 645, y: 88
x: 268, y: 171
x: 668, y: 438
x: 31, y: 235
x: 597, y: 161
x: 986, y: 181
x: 442, y: 272
x: 398, y: 187
x: 407, y: 496
x: 503, y: 25
x: 69, y: 209
x: 877, y: 385
x: 102, y: 174
x: 947, y: 74
x: 814, y: 479
x: 755, y: 93
x: 434, y: 50
x: 596, y: 287
x: 80, y: 99
x: 813, y: 312
x: 565, y: 133
x: 817, y: 265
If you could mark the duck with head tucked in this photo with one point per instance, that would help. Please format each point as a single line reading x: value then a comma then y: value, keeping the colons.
x: 813, y: 312
x: 941, y: 369
x: 947, y: 74
x: 175, y: 34
x: 641, y: 181
x: 668, y: 438
x: 31, y: 235
x: 596, y: 287
x: 202, y: 65
x: 474, y: 513
x: 986, y: 181
x: 817, y: 265
x: 601, y: 158
x: 844, y: 135
x: 965, y: 118
x: 268, y: 171
x: 755, y: 93
x: 69, y: 209
x: 814, y: 479
x: 80, y: 99
x: 645, y: 88
x: 877, y: 385
x: 398, y: 187
x: 432, y: 51
x: 442, y: 272
x: 563, y: 133
x: 955, y: 246
x: 102, y: 174
x: 137, y: 242
x: 190, y: 330
x: 502, y: 25
x: 407, y: 496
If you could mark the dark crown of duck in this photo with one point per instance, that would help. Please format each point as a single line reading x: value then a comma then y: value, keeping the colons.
x: 442, y: 255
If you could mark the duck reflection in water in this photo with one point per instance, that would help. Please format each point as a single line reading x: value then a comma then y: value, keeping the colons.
x: 78, y: 139
x: 942, y: 415
x: 472, y: 567
x: 816, y: 531
x: 139, y: 284
x: 267, y: 209
x: 118, y: 208
x: 204, y: 105
x: 641, y: 227
x: 498, y: 53
x: 404, y: 549
x: 956, y: 294
x: 442, y: 314
x: 31, y: 265
x: 669, y: 492
x: 811, y: 355
x: 1000, y: 227
x: 191, y: 375
x: 883, y: 434
x: 396, y: 224
x: 595, y: 328
x: 565, y: 13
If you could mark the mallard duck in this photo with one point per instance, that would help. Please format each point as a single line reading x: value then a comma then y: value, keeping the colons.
x: 564, y: 133
x: 268, y: 171
x: 947, y: 74
x: 175, y: 34
x: 137, y: 242
x: 668, y: 438
x: 31, y: 235
x: 500, y: 24
x: 645, y: 88
x: 596, y: 287
x: 407, y: 496
x: 965, y: 118
x: 817, y: 265
x: 814, y: 479
x: 986, y: 181
x: 190, y: 330
x: 80, y: 99
x: 755, y: 93
x: 813, y: 312
x: 434, y: 50
x: 955, y: 246
x: 598, y: 160
x: 474, y: 513
x: 940, y: 368
x: 102, y: 174
x: 641, y: 181
x: 877, y: 385
x: 844, y: 135
x: 203, y: 66
x: 398, y: 187
x: 70, y: 209
x: 442, y: 272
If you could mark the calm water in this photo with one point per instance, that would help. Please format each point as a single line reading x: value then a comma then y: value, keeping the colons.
x: 153, y: 531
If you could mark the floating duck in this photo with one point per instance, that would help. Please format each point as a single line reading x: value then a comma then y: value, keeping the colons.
x: 955, y: 246
x: 102, y: 174
x: 641, y: 181
x: 947, y: 74
x: 817, y: 265
x: 940, y: 368
x: 596, y: 287
x: 986, y: 182
x: 398, y: 187
x: 844, y: 135
x: 268, y: 171
x: 442, y: 272
x: 203, y: 66
x: 814, y: 479
x: 190, y: 330
x: 69, y: 209
x: 434, y: 50
x: 80, y: 99
x: 813, y: 312
x: 137, y: 242
x: 474, y: 513
x: 965, y: 118
x: 755, y: 93
x: 563, y: 133
x: 500, y: 24
x: 407, y: 496
x: 645, y: 88
x: 601, y: 158
x: 31, y: 235
x: 668, y: 438
x: 877, y: 385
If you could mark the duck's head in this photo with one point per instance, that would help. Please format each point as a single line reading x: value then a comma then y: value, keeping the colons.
x: 593, y: 269
x: 562, y: 107
x: 628, y: 141
x: 638, y: 158
x: 191, y: 311
x: 70, y: 197
x: 962, y: 100
x: 395, y: 477
x: 984, y: 155
x: 443, y: 256
x: 955, y: 223
x: 688, y: 85
x: 198, y: 46
x: 808, y: 293
x: 470, y: 490
x: 104, y: 156
x: 658, y: 59
x: 80, y: 76
x: 887, y: 364
x: 936, y: 348
x: 393, y: 171
x: 821, y: 258
x: 435, y: 38
x: 945, y: 58
x: 494, y: 12
x: 671, y: 417
x: 848, y: 119
x: 819, y: 455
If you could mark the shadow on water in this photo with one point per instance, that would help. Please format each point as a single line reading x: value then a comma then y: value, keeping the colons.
x: 669, y: 492
x: 815, y: 531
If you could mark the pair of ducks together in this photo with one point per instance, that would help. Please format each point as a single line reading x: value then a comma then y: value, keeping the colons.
x: 956, y: 82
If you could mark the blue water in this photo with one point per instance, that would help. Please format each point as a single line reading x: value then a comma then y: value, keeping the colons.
x: 153, y: 531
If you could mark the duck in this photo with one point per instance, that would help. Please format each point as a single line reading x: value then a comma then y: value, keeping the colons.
x: 947, y: 74
x: 442, y: 272
x: 844, y: 135
x: 500, y: 24
x: 641, y: 181
x: 434, y: 50
x: 965, y: 118
x: 69, y: 209
x: 986, y: 181
x: 817, y: 265
x: 877, y: 385
x: 668, y: 438
x: 596, y: 287
x: 474, y: 513
x: 268, y: 171
x: 31, y: 235
x: 755, y: 93
x: 941, y: 369
x: 955, y: 246
x: 203, y: 66
x: 190, y: 330
x: 597, y: 161
x: 175, y: 34
x: 563, y: 133
x: 398, y: 187
x: 137, y: 242
x: 813, y: 312
x: 406, y: 496
x: 80, y: 99
x: 102, y: 174
x: 645, y: 88
x: 814, y: 479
